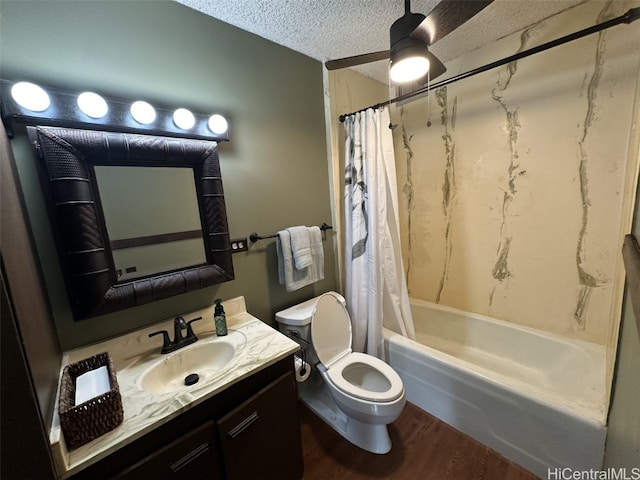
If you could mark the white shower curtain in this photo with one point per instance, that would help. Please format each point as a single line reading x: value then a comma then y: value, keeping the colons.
x: 376, y: 291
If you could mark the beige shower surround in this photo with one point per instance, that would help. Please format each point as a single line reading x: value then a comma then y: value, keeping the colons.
x: 516, y: 198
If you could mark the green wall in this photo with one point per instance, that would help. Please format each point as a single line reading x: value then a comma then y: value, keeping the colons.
x: 274, y: 167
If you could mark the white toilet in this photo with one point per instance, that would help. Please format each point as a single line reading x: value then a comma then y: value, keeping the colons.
x: 357, y: 394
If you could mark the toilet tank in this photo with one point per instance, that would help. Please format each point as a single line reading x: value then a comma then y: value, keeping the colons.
x: 297, y: 319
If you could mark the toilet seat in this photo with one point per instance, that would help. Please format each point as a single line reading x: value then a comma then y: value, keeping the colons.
x: 383, y: 383
x: 357, y: 374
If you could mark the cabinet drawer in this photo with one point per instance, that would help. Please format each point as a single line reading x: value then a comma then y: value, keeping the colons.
x: 194, y: 455
x: 260, y: 439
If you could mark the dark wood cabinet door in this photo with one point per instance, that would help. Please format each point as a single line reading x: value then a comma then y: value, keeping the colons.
x: 260, y: 439
x: 192, y: 456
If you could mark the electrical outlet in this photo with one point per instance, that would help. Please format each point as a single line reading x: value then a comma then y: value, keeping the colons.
x: 239, y: 245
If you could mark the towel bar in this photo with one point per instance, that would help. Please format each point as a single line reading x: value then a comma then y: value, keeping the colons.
x: 254, y: 237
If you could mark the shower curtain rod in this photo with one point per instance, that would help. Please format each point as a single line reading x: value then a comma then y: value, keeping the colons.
x: 631, y: 16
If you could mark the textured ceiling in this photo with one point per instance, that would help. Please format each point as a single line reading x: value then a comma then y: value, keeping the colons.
x: 331, y: 29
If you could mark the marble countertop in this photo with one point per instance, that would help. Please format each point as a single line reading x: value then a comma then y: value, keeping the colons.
x: 257, y: 346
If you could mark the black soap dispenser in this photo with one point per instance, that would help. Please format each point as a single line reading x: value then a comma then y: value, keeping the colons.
x: 220, y: 318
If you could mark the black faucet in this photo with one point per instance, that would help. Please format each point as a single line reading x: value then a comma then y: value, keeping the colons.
x: 179, y: 341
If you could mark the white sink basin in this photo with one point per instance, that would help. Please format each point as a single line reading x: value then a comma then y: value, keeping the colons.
x: 206, y: 358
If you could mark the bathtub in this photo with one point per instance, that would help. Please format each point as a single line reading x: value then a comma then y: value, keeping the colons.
x: 538, y: 399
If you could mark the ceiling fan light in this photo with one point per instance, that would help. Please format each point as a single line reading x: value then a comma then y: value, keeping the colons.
x: 409, y: 60
x: 408, y: 68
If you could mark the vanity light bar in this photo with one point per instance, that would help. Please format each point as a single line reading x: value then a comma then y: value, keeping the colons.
x: 32, y: 104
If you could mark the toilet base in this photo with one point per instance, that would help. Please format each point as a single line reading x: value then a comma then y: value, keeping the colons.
x: 372, y: 438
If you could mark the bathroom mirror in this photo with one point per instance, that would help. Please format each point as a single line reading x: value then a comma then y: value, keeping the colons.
x: 174, y: 237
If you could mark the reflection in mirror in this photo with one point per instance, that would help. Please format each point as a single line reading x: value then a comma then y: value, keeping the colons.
x: 152, y: 219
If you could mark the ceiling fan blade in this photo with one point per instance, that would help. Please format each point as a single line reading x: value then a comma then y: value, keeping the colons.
x: 446, y: 17
x: 357, y: 60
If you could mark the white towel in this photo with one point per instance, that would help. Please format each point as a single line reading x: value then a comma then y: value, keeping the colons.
x: 289, y: 276
x: 300, y: 247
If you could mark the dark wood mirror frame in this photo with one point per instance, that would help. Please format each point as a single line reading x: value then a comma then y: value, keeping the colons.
x: 66, y: 158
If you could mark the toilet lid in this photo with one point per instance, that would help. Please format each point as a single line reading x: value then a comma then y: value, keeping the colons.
x: 330, y: 328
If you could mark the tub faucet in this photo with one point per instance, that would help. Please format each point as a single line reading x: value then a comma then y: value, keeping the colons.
x: 179, y: 341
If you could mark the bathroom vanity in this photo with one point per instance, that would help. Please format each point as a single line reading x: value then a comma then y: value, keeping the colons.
x: 234, y: 423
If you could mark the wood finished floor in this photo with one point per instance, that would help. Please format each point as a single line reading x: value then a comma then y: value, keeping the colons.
x: 424, y: 448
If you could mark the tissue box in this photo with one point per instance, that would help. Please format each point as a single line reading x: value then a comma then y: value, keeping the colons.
x: 98, y: 415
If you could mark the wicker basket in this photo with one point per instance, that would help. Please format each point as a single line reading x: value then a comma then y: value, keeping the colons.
x: 82, y: 423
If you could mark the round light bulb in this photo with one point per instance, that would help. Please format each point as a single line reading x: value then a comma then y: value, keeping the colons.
x: 92, y: 104
x: 184, y: 119
x: 408, y: 69
x: 30, y: 96
x: 218, y: 124
x: 143, y: 112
